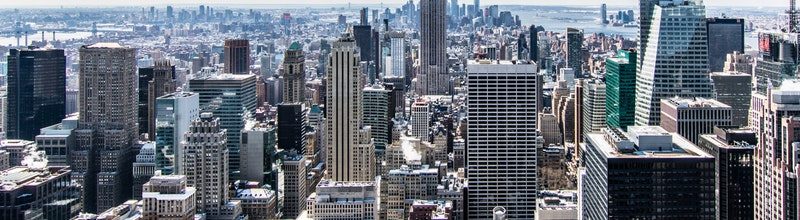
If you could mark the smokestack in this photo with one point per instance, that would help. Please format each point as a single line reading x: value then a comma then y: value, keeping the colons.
x: 54, y: 36
x: 42, y: 36
x: 26, y: 38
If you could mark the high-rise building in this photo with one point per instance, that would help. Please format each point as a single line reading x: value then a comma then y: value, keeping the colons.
x: 36, y: 92
x: 574, y: 51
x: 547, y: 124
x: 349, y: 154
x: 404, y: 186
x: 106, y: 132
x: 603, y: 14
x: 691, y: 117
x: 168, y: 197
x: 206, y: 165
x: 161, y: 81
x: 646, y: 173
x: 174, y: 114
x: 230, y: 97
x: 293, y: 72
x: 594, y: 106
x: 433, y: 75
x: 363, y: 37
x: 295, y: 187
x: 513, y: 118
x: 669, y: 71
x: 259, y: 153
x: 292, y: 127
x: 620, y: 84
x: 420, y: 118
x: 725, y: 35
x: 57, y: 141
x: 733, y: 89
x: 533, y: 44
x: 344, y: 200
x: 732, y: 149
x: 144, y: 167
x: 38, y: 192
x: 775, y: 119
x: 397, y: 56
x: 646, y: 11
x: 375, y: 104
x: 258, y: 203
x: 237, y: 56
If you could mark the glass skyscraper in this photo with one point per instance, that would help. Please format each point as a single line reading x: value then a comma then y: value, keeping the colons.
x: 620, y: 84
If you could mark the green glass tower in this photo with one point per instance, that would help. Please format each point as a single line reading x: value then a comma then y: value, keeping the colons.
x: 621, y: 89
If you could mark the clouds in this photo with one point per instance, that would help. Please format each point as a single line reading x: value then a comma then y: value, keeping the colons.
x: 86, y: 3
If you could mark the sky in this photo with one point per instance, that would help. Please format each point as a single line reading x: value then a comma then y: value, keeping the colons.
x: 92, y: 3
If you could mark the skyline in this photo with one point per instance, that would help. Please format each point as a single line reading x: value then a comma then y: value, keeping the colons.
x: 7, y: 4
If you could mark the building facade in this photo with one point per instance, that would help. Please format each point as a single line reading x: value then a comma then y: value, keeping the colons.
x: 36, y: 91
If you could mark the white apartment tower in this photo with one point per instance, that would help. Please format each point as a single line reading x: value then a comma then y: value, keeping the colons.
x: 420, y: 118
x: 594, y: 105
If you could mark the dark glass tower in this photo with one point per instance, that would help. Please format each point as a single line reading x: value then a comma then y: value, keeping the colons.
x: 36, y: 91
x: 291, y: 128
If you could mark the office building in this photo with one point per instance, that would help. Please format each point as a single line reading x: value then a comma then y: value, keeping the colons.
x: 732, y: 149
x: 775, y: 121
x: 106, y: 133
x: 594, y: 106
x: 620, y: 81
x: 174, y: 113
x: 603, y: 14
x: 433, y: 75
x: 349, y: 154
x: 375, y: 104
x: 258, y: 203
x: 733, y: 89
x: 363, y: 37
x: 144, y: 167
x: 17, y: 150
x: 57, y: 141
x: 205, y: 158
x: 397, y: 54
x: 154, y: 82
x: 292, y: 127
x: 259, y: 153
x: 646, y: 173
x: 691, y: 117
x: 420, y: 118
x: 431, y: 209
x: 168, y: 197
x: 38, y: 192
x: 659, y: 76
x: 36, y: 91
x: 344, y: 200
x: 405, y: 185
x: 547, y: 124
x: 533, y: 44
x: 237, y: 56
x: 557, y: 205
x: 229, y: 97
x: 295, y: 186
x: 513, y: 111
x: 574, y: 50
x: 725, y: 36
x: 293, y: 72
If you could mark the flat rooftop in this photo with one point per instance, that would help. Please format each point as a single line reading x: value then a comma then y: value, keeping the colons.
x: 645, y: 142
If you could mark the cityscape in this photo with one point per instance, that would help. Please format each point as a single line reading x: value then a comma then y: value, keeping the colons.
x: 418, y: 110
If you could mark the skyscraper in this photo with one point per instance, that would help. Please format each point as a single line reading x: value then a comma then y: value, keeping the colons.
x: 733, y: 89
x: 668, y: 70
x: 620, y: 80
x: 237, y: 56
x: 375, y: 105
x: 349, y: 156
x: 646, y: 11
x: 293, y: 72
x: 594, y: 105
x: 533, y: 44
x: 775, y: 119
x: 646, y: 173
x: 154, y: 82
x: 206, y: 164
x: 292, y: 127
x: 230, y: 97
x: 174, y: 113
x: 295, y: 186
x: 691, y: 117
x: 732, y: 149
x: 603, y: 14
x: 513, y: 118
x: 574, y: 51
x: 725, y: 35
x: 36, y: 92
x: 107, y: 125
x: 398, y: 55
x: 433, y: 74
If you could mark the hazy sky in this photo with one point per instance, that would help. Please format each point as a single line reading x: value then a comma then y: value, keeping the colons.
x: 69, y: 3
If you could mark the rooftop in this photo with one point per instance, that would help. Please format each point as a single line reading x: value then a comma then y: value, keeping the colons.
x: 697, y: 102
x: 105, y: 45
x: 644, y: 142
